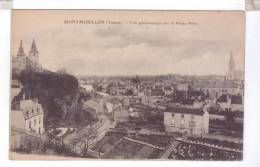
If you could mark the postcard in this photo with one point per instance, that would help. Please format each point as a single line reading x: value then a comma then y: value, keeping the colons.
x: 127, y: 84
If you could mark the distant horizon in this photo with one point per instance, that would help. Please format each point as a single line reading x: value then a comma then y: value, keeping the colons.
x: 156, y: 75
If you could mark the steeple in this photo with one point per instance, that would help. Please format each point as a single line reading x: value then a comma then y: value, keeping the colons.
x: 33, y: 51
x: 231, y: 63
x: 21, y: 51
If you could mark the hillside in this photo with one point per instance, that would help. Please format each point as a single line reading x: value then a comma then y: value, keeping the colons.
x: 59, y: 94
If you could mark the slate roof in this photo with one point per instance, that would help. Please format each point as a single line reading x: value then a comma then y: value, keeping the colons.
x: 30, y: 108
x: 157, y: 92
x: 196, y: 93
x: 222, y: 84
x: 194, y: 111
x: 168, y: 88
x: 188, y: 101
x: 235, y: 99
x: 222, y: 99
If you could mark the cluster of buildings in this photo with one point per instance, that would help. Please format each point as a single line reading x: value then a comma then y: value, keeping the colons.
x: 26, y: 116
x: 26, y: 112
x: 183, y: 103
x: 26, y: 119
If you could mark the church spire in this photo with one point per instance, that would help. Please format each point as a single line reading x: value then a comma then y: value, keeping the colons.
x: 21, y: 51
x: 33, y: 51
x: 33, y: 48
x: 231, y: 63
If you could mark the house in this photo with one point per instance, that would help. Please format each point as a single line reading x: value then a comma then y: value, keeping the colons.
x: 168, y: 90
x: 16, y: 88
x: 132, y: 100
x: 157, y: 92
x: 183, y: 87
x: 112, y: 90
x: 217, y: 88
x: 133, y: 112
x: 88, y: 88
x: 190, y: 121
x: 96, y: 106
x: 121, y: 115
x: 28, y: 116
x: 112, y: 104
x: 192, y: 103
x: 230, y: 102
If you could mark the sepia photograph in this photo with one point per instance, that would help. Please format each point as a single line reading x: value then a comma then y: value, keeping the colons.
x: 127, y: 85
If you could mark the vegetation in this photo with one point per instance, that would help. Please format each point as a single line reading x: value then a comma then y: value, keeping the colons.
x: 58, y: 93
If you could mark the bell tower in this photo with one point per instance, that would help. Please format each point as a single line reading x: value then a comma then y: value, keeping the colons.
x: 34, y: 57
x: 231, y: 64
x: 20, y: 50
x: 34, y: 52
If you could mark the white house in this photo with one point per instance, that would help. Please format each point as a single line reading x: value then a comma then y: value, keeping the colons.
x: 191, y: 121
x: 28, y: 116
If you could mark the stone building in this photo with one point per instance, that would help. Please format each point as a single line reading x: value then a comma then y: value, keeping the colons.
x: 27, y: 115
x: 189, y: 121
x: 230, y: 102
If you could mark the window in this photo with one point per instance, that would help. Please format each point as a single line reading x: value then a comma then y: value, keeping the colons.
x: 182, y: 115
x: 27, y: 113
x: 30, y: 124
x: 38, y: 110
x: 39, y: 119
x: 172, y: 123
x: 192, y: 116
x: 35, y: 121
x: 172, y: 114
x: 32, y: 112
x: 182, y: 122
x: 192, y: 124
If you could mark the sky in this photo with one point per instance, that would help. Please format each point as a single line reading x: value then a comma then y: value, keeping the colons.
x: 200, y: 47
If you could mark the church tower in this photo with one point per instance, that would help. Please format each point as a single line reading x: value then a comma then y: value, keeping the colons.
x: 24, y: 62
x: 33, y: 52
x: 231, y: 74
x: 21, y: 51
x: 34, y: 57
x: 231, y: 64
